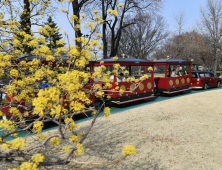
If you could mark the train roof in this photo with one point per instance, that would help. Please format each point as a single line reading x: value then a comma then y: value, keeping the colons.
x: 172, y: 61
x: 124, y: 61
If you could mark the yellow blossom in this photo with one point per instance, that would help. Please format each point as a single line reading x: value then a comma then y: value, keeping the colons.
x: 83, y: 16
x: 94, y: 112
x: 109, y: 11
x: 73, y: 139
x: 115, y: 58
x: 1, y: 113
x: 100, y: 47
x: 120, y: 5
x: 108, y: 97
x: 41, y: 136
x: 106, y: 112
x: 38, y: 158
x: 100, y: 93
x: 126, y: 72
x: 14, y: 73
x: 114, y: 13
x: 28, y: 166
x: 37, y: 127
x: 66, y: 149
x: 150, y: 68
x: 128, y: 150
x: 99, y: 35
x: 95, y: 42
x: 79, y: 150
x: 95, y: 12
x: 55, y: 141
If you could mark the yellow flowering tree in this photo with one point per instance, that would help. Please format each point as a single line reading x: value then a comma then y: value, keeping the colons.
x: 48, y: 88
x: 19, y: 18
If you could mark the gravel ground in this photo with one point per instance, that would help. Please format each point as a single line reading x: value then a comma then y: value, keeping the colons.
x: 180, y: 133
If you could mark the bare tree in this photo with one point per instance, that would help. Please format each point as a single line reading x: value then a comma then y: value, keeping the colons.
x: 140, y: 39
x: 195, y: 46
x: 116, y: 25
x: 180, y: 21
x: 211, y: 24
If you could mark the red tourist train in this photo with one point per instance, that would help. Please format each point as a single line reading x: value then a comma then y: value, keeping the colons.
x: 142, y: 80
x: 160, y: 78
x: 172, y: 83
x: 135, y: 89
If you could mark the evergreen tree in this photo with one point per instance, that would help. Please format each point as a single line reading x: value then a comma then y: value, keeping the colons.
x: 53, y: 35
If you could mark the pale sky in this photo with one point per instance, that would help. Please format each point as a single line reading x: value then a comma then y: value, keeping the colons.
x: 190, y: 8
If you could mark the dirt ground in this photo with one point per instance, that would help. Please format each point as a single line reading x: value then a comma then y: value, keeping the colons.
x: 180, y: 133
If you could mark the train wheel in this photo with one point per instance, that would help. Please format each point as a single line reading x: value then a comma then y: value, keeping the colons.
x: 218, y: 84
x: 205, y: 86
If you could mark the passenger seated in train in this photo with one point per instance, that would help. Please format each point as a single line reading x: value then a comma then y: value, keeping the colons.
x: 122, y: 77
x: 179, y: 73
x: 117, y: 79
x: 173, y: 74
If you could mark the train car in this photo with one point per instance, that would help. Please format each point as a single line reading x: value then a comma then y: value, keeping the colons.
x: 135, y: 89
x: 172, y: 75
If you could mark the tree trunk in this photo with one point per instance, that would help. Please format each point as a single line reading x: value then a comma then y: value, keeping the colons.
x: 26, y: 23
x: 113, y: 40
x: 112, y: 52
x: 76, y: 10
x: 116, y: 38
x: 215, y: 64
x: 104, y: 31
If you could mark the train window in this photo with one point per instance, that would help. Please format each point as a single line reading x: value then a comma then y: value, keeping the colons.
x: 185, y: 69
x: 109, y: 68
x: 137, y: 71
x: 181, y: 70
x: 159, y: 71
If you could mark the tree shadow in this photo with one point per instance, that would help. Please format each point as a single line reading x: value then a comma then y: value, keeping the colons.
x: 106, y: 146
